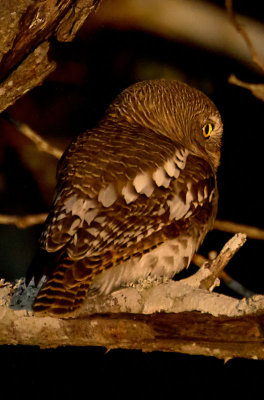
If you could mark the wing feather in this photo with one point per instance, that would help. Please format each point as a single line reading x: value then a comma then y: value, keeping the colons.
x: 113, y: 205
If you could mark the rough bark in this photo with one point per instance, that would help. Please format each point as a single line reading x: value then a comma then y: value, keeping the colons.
x: 25, y: 28
x: 29, y: 74
x: 171, y: 316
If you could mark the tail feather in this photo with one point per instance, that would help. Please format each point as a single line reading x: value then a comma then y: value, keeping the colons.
x: 59, y: 300
x: 60, y: 296
x: 67, y: 282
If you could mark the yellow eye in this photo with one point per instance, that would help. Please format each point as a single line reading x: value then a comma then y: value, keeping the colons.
x: 207, y: 130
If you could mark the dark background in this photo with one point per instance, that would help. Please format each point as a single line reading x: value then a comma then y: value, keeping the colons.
x: 91, y: 71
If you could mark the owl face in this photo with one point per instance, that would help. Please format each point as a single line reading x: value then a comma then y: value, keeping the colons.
x: 205, y: 135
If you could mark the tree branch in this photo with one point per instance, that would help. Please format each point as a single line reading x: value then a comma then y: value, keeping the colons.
x: 219, y: 263
x: 30, y: 73
x: 41, y: 144
x: 171, y: 316
x: 243, y: 32
x: 257, y: 89
x: 230, y: 282
x: 23, y: 221
x: 232, y: 227
x: 196, y: 22
x: 26, y: 27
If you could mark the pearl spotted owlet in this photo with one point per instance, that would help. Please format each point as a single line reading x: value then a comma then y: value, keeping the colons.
x: 135, y: 197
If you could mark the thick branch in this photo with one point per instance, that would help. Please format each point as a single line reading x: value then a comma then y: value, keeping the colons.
x: 170, y: 316
x: 25, y: 28
x: 28, y: 23
x: 33, y: 70
x: 174, y: 316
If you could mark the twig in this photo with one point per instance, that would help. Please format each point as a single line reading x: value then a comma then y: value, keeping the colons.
x: 41, y: 144
x: 257, y: 89
x: 200, y: 23
x: 24, y: 221
x: 228, y: 280
x: 225, y: 255
x: 232, y: 227
x: 240, y: 28
x: 236, y: 286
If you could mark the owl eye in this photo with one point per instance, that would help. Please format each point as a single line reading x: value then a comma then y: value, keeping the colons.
x: 207, y: 130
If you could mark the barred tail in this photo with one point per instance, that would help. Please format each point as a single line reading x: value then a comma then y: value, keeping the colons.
x: 67, y: 281
x: 57, y: 299
x: 65, y: 287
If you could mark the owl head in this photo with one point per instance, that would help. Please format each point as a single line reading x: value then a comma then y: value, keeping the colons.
x: 173, y: 109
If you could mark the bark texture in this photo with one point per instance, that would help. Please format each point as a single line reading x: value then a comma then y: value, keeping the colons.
x: 26, y: 27
x: 172, y: 316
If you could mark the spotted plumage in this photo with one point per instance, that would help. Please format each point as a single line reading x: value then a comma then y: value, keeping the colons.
x: 135, y: 196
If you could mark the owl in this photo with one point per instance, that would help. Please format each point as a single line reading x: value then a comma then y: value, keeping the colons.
x: 135, y: 196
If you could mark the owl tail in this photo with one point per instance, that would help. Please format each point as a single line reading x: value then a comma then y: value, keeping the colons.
x: 57, y: 300
x: 61, y: 293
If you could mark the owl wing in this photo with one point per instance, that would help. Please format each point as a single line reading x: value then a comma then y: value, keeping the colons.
x: 119, y: 196
x: 116, y: 190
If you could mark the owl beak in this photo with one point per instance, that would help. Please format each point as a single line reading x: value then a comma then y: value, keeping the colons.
x: 217, y: 158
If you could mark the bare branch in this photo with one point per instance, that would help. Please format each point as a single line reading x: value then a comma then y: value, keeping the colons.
x: 257, y: 89
x: 200, y: 23
x: 240, y: 28
x: 228, y: 280
x: 41, y: 144
x: 232, y: 227
x: 236, y: 286
x: 223, y: 258
x: 23, y: 221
